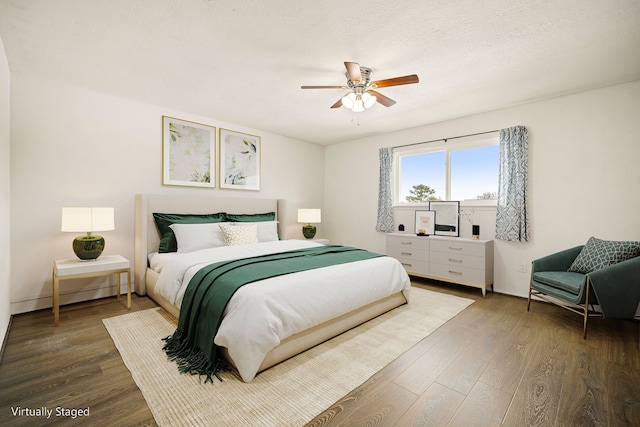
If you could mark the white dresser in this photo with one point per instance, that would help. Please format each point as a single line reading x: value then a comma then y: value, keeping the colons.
x: 450, y: 259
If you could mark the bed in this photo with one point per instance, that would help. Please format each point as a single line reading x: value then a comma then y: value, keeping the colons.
x: 370, y: 287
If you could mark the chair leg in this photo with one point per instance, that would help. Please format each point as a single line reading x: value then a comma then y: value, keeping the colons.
x: 529, y: 299
x: 586, y: 309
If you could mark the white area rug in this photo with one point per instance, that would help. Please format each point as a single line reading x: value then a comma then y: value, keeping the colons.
x: 288, y: 394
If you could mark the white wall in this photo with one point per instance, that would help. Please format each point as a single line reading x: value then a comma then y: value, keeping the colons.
x: 5, y: 258
x: 73, y: 147
x: 583, y: 176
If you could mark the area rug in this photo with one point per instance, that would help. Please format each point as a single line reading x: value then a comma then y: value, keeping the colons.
x: 288, y: 394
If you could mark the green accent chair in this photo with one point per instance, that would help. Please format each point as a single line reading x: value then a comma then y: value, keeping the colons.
x: 615, y: 288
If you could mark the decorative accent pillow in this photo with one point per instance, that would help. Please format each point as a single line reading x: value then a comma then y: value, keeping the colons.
x: 193, y: 237
x: 259, y: 217
x: 168, y: 241
x: 597, y: 254
x: 239, y: 234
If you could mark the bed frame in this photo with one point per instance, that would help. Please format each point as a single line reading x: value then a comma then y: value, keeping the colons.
x: 147, y: 240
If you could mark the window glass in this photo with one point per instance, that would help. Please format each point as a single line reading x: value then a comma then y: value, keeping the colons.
x: 423, y: 169
x: 448, y: 171
x: 474, y: 173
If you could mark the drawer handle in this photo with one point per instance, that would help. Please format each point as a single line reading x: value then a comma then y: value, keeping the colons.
x: 454, y: 260
x: 406, y: 253
x: 455, y: 248
x: 455, y: 272
x: 405, y: 264
x: 406, y: 243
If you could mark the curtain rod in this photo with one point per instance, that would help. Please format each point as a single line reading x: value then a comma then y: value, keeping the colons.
x: 446, y: 139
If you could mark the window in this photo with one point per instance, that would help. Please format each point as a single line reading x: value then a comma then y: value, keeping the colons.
x: 456, y: 170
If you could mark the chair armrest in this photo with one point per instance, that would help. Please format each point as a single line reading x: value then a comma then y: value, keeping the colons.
x: 559, y: 261
x: 617, y: 288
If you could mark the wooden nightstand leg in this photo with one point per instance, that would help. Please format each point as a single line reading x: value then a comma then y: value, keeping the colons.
x: 56, y: 300
x: 118, y: 286
x: 129, y: 289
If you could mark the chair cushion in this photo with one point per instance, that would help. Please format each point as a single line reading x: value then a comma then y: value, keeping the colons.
x: 598, y: 254
x: 565, y: 280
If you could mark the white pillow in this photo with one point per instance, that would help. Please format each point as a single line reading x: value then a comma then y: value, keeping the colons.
x: 234, y: 235
x: 193, y: 237
x: 267, y: 230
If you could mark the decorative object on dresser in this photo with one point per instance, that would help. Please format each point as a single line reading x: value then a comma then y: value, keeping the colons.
x: 475, y: 229
x: 450, y: 259
x: 447, y: 217
x: 425, y: 223
x: 78, y: 219
x: 188, y: 153
x: 307, y: 216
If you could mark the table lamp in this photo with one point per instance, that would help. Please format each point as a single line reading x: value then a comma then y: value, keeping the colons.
x: 89, y: 246
x: 307, y: 216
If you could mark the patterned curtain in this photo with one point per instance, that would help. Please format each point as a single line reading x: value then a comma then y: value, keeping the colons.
x: 385, y: 196
x: 512, y: 219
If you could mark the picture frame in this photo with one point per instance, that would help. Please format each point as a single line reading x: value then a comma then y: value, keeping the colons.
x: 425, y: 222
x: 188, y: 153
x: 447, y: 221
x: 240, y: 159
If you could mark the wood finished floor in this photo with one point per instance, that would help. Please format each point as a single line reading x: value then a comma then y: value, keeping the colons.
x: 493, y: 364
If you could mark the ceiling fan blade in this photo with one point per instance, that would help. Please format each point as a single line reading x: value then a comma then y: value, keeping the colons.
x: 337, y: 104
x: 323, y: 87
x: 384, y: 100
x: 353, y: 69
x: 396, y: 81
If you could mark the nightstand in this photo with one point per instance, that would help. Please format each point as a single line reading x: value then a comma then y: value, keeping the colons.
x: 67, y: 269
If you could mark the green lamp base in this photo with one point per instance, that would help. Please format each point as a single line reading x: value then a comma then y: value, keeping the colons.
x: 88, y: 247
x: 309, y: 231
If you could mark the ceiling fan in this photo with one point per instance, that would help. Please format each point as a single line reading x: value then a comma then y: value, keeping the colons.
x: 363, y: 94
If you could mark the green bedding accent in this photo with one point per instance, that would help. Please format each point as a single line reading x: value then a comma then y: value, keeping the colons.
x: 211, y: 288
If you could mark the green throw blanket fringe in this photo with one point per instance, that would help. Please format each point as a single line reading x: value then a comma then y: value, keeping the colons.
x: 211, y: 288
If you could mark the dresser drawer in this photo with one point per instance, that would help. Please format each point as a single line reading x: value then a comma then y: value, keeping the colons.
x: 457, y: 260
x: 412, y: 266
x: 464, y: 248
x: 457, y: 274
x: 408, y: 253
x: 408, y: 241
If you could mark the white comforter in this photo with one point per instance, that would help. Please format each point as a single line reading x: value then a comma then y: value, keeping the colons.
x: 262, y: 314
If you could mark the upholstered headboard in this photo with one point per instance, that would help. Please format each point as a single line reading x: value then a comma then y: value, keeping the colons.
x: 146, y: 233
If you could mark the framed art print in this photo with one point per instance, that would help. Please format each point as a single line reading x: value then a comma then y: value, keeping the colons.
x: 447, y: 217
x: 239, y: 160
x: 425, y: 223
x: 188, y: 153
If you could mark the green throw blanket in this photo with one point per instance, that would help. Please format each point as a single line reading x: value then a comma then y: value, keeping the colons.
x: 211, y: 288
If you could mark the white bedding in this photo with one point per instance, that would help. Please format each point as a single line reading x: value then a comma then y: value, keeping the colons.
x: 262, y: 314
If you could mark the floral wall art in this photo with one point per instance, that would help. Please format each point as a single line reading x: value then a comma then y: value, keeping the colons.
x: 188, y: 153
x: 239, y: 160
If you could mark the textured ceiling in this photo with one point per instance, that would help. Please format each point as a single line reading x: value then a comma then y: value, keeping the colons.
x: 244, y: 61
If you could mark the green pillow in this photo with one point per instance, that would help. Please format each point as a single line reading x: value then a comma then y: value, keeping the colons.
x: 269, y: 216
x: 168, y: 242
x: 597, y: 254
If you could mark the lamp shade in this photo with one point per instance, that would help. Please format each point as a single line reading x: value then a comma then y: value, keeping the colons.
x: 309, y: 215
x: 87, y: 220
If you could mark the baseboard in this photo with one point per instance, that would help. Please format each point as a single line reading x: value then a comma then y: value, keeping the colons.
x: 69, y: 297
x: 6, y: 337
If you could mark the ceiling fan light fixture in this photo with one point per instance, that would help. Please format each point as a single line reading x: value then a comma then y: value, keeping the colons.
x: 358, y: 106
x: 368, y: 100
x: 349, y: 100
